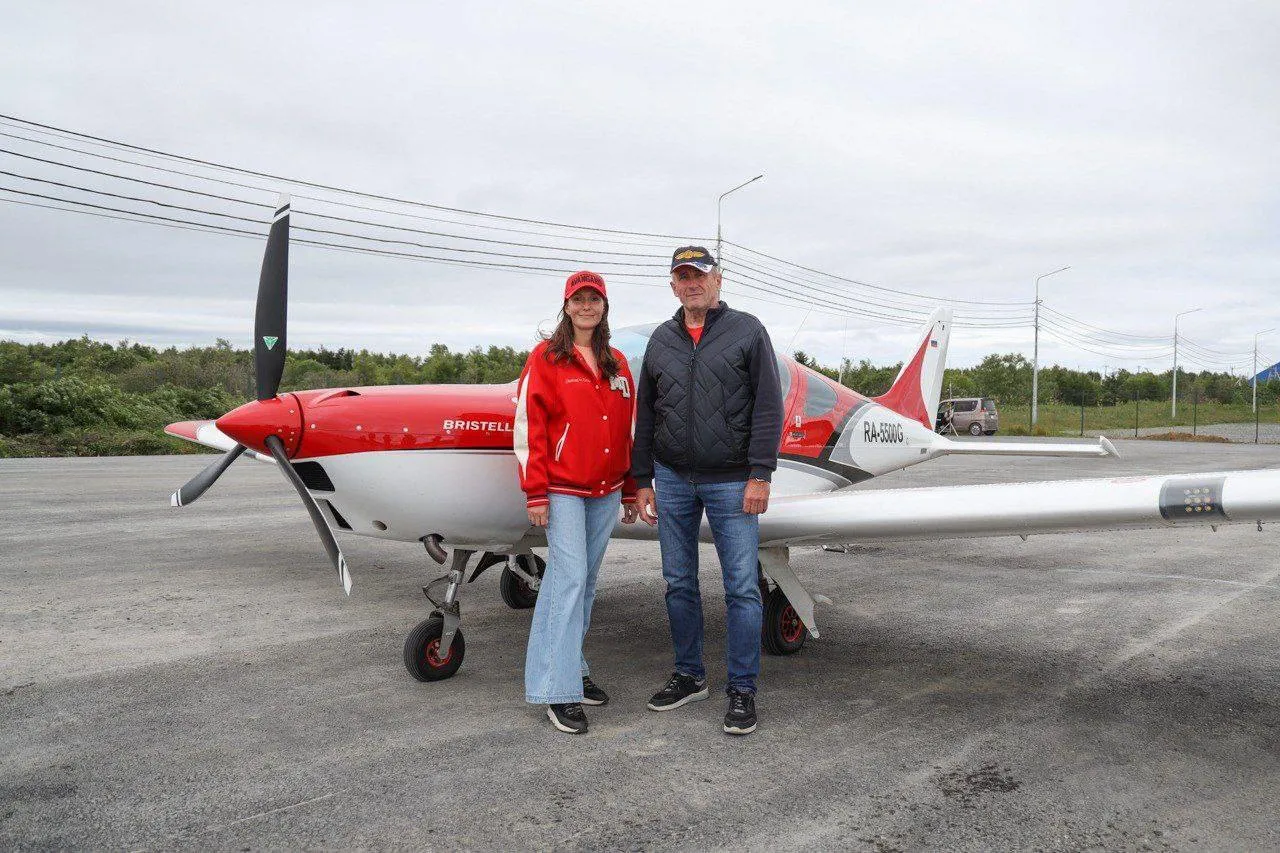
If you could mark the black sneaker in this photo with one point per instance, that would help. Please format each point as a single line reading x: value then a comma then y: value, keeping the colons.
x: 568, y: 718
x: 679, y: 690
x: 592, y: 694
x: 741, y: 717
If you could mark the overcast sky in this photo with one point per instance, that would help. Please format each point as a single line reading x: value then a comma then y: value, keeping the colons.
x: 947, y: 149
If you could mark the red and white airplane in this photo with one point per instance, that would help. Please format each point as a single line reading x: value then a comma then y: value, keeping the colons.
x: 434, y: 464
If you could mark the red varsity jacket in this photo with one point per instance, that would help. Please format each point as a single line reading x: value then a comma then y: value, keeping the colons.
x: 573, y: 429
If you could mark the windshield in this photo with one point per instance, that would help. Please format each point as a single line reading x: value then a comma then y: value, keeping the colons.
x: 631, y: 341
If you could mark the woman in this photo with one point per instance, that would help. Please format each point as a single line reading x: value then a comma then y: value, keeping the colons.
x: 574, y: 409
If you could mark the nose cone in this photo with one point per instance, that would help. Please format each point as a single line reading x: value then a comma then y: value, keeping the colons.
x: 253, y: 422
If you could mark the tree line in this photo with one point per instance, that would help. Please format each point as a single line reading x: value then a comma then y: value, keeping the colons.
x: 86, y: 397
x: 1007, y: 378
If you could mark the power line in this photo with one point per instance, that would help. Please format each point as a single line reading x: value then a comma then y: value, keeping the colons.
x: 273, y: 191
x: 314, y: 185
x: 869, y: 285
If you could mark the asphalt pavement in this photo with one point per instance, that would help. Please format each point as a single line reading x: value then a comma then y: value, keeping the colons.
x: 195, y: 679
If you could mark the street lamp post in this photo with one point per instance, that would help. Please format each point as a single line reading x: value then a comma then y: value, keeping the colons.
x: 1035, y: 356
x: 718, y: 203
x: 1174, y: 413
x: 1255, y: 367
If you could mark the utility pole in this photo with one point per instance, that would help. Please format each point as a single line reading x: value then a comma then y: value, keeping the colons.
x: 1035, y: 356
x: 1255, y: 369
x: 718, y: 203
x: 844, y: 342
x: 1174, y: 413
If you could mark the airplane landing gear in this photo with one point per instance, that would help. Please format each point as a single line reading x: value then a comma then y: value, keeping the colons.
x: 788, y: 606
x: 782, y: 631
x: 520, y: 581
x: 422, y: 655
x: 435, y: 647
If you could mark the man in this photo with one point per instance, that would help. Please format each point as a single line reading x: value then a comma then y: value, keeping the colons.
x: 708, y: 421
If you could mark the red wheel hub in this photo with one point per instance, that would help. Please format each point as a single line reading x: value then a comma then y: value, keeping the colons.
x: 432, y: 654
x: 790, y: 626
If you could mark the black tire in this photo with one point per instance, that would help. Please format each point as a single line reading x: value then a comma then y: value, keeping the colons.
x: 516, y: 592
x: 975, y: 428
x: 783, y: 632
x: 422, y: 651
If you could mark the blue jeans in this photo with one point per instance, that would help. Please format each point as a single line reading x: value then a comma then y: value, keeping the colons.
x: 577, y: 533
x: 737, y: 538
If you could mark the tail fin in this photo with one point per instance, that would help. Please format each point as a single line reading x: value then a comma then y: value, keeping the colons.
x: 916, y: 391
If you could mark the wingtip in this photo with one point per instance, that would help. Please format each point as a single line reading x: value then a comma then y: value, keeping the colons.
x: 1108, y: 447
x: 175, y: 499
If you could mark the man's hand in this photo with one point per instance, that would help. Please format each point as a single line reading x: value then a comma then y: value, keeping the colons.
x: 756, y: 499
x: 630, y: 512
x: 538, y: 515
x: 647, y: 505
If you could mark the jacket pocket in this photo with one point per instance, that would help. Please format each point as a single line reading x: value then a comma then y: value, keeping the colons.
x: 560, y: 443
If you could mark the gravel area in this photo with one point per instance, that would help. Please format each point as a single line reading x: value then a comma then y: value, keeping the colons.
x: 194, y: 680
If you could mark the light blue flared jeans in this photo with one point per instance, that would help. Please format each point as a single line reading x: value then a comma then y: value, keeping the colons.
x: 577, y: 534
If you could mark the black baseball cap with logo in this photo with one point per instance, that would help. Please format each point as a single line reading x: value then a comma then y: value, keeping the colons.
x: 693, y: 256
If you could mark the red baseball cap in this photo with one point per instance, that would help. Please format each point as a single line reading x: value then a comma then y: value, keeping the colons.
x: 582, y: 279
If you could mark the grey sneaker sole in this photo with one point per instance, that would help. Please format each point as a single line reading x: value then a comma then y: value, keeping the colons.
x: 692, y: 697
x: 739, y: 730
x: 551, y: 715
x: 595, y: 702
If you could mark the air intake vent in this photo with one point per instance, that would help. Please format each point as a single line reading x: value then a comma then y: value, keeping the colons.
x: 337, y: 516
x: 313, y: 476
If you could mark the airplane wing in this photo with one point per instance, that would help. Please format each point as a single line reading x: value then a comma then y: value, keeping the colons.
x: 1021, y: 509
x: 208, y: 434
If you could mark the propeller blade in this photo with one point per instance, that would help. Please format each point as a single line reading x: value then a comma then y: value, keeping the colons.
x: 197, y: 485
x: 276, y: 446
x: 271, y: 316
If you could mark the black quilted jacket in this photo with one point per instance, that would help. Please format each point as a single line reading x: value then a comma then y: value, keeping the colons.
x: 711, y: 412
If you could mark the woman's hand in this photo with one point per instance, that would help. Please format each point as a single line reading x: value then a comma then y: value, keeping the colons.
x: 538, y: 515
x: 630, y: 512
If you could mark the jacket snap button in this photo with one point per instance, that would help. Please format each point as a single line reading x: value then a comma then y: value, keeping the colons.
x: 605, y: 417
x: 606, y: 450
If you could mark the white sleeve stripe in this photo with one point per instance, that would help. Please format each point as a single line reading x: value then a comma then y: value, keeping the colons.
x: 520, y: 427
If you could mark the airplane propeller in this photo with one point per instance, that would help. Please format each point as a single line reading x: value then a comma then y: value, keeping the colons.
x: 271, y: 315
x: 197, y: 485
x: 276, y: 446
x: 269, y: 349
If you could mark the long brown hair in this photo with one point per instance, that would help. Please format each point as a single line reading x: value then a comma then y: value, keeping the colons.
x: 560, y: 346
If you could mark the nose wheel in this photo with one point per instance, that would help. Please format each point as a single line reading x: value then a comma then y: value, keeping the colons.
x: 422, y: 653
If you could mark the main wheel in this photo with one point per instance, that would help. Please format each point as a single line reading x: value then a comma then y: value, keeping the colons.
x: 422, y: 651
x: 975, y: 428
x: 784, y: 633
x: 516, y: 591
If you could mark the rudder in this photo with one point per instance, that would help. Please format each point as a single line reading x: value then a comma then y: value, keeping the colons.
x: 918, y: 388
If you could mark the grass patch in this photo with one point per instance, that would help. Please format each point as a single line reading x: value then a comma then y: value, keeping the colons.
x: 1186, y: 436
x: 1059, y: 419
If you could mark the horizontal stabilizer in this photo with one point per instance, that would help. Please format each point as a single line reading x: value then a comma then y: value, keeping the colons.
x: 1103, y: 447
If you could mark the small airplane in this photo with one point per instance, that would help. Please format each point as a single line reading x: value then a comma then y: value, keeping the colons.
x: 434, y: 464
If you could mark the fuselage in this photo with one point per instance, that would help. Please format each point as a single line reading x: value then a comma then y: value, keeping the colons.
x: 405, y: 461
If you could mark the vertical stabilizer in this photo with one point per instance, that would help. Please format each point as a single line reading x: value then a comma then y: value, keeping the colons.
x: 916, y: 391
